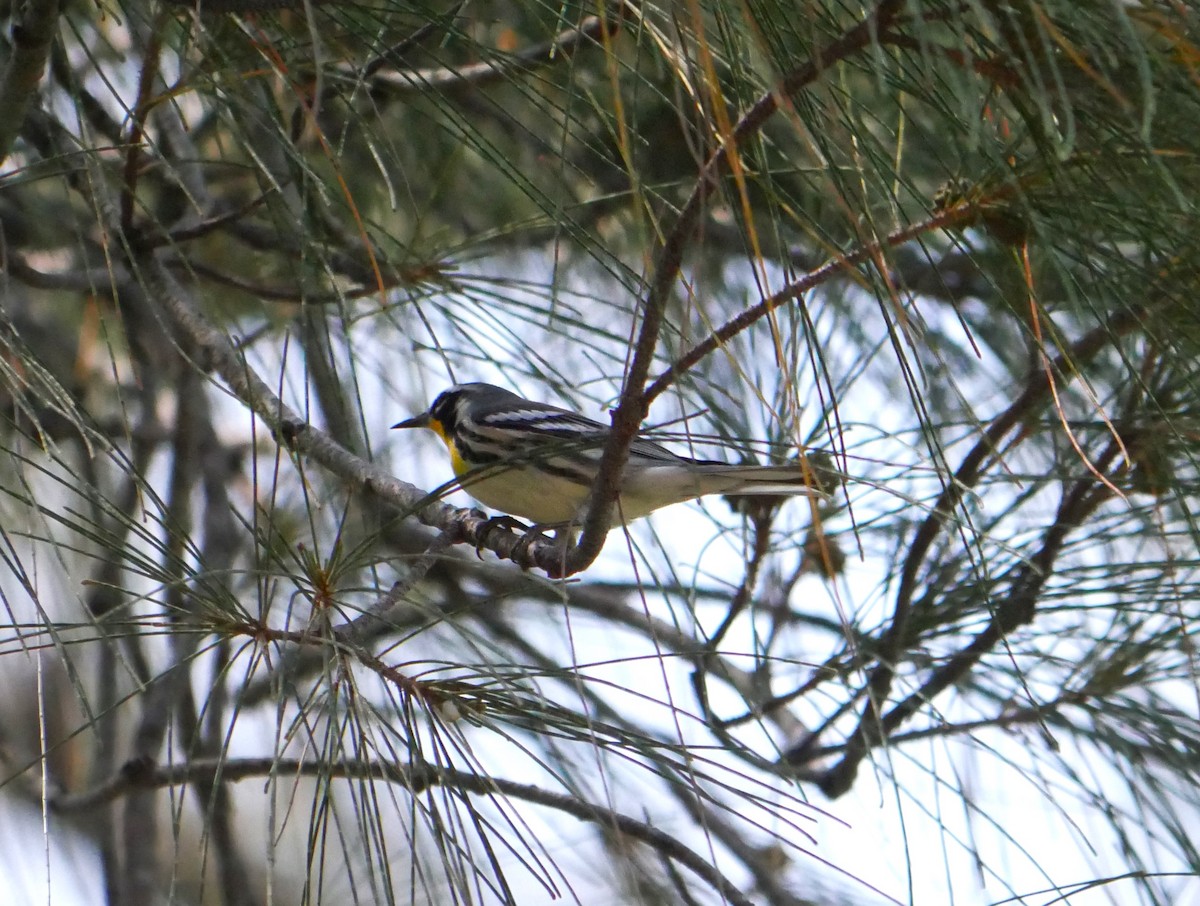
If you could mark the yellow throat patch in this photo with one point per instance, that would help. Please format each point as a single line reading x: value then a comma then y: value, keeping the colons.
x: 457, y: 463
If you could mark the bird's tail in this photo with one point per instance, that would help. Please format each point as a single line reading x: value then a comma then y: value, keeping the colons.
x: 790, y: 480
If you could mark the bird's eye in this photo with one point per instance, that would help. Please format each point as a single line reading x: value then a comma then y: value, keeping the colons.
x: 443, y: 409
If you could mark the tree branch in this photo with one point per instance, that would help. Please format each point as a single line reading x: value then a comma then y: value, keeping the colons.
x: 477, y: 75
x: 32, y: 35
x: 138, y: 776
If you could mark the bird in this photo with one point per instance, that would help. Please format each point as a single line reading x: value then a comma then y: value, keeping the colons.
x: 538, y: 462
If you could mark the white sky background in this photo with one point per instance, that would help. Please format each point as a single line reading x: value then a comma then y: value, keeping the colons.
x: 902, y: 829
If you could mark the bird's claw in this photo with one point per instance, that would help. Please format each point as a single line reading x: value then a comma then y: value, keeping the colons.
x: 529, y: 535
x: 520, y: 551
x: 508, y: 523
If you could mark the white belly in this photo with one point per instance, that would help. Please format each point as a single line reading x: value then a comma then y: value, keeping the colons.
x: 557, y: 499
x: 544, y: 499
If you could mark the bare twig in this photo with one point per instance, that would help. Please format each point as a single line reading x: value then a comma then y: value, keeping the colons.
x: 761, y: 521
x: 476, y: 75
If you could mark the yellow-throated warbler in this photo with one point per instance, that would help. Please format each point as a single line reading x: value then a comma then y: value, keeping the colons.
x: 539, y: 462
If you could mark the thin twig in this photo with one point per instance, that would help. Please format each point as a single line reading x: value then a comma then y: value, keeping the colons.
x: 476, y: 75
x: 385, y: 606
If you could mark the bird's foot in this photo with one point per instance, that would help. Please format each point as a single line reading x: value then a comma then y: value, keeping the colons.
x: 507, y: 523
x: 529, y: 535
x: 538, y: 532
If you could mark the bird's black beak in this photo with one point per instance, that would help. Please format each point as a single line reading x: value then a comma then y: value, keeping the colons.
x: 418, y: 421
